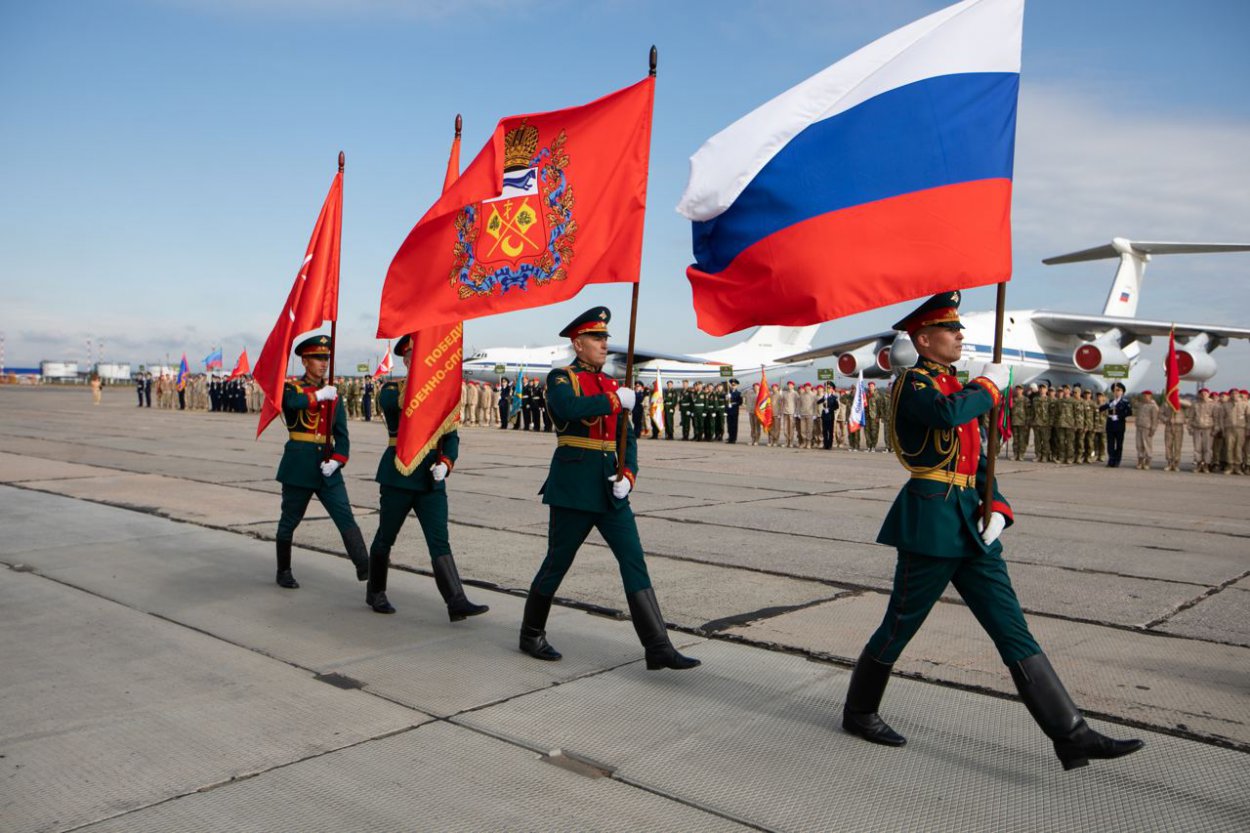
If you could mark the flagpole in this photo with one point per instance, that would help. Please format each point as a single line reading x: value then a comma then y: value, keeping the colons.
x: 996, y: 412
x: 622, y: 425
x: 334, y: 323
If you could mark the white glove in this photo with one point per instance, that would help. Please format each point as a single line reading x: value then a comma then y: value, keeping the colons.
x: 989, y: 534
x: 329, y: 467
x: 626, y: 395
x: 998, y: 374
x: 328, y: 393
x: 439, y: 470
x: 620, y: 488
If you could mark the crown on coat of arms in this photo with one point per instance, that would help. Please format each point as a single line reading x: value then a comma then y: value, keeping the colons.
x: 519, y: 146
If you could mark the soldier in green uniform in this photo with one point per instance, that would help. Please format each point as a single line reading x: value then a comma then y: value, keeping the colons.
x: 1021, y: 419
x: 304, y: 470
x: 942, y: 537
x: 1091, y: 426
x: 1065, y: 425
x: 872, y: 422
x: 422, y: 491
x: 1043, y: 417
x: 584, y: 492
x: 672, y: 398
x: 698, y: 411
x: 719, y: 405
x: 1100, y: 433
x: 1078, y: 426
x: 686, y: 402
x: 883, y: 410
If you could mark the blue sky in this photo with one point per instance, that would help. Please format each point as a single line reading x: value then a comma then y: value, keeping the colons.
x: 166, y: 159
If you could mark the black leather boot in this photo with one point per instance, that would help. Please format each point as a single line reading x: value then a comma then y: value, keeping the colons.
x: 653, y: 634
x: 375, y: 590
x: 354, y: 542
x: 863, y: 698
x: 448, y: 580
x: 1059, y: 718
x: 533, y: 628
x: 285, y: 579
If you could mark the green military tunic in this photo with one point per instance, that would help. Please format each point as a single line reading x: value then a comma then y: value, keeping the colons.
x: 300, y: 468
x: 934, y: 520
x: 587, y: 413
x: 417, y: 492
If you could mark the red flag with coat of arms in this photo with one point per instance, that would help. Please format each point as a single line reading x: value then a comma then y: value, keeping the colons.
x: 553, y: 202
x: 764, y: 402
x: 430, y: 396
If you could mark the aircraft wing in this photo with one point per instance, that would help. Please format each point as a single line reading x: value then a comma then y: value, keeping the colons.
x: 1088, y: 326
x: 644, y: 355
x: 835, y: 349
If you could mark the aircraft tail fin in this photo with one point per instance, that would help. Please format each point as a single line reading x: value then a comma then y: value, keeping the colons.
x: 1134, y: 255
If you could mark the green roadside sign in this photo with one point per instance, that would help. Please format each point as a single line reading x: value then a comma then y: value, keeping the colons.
x: 824, y: 374
x: 1115, y: 371
x: 362, y: 368
x: 726, y: 370
x: 499, y: 370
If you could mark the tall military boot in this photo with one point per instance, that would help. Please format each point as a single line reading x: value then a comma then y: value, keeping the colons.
x: 354, y: 542
x: 448, y: 581
x: 863, y: 698
x: 1059, y: 718
x: 285, y: 579
x: 652, y: 633
x: 533, y: 628
x: 379, y: 565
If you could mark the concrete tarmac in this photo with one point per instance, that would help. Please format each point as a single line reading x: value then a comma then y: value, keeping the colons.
x: 157, y: 679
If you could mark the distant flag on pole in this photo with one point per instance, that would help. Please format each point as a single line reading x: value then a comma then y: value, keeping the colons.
x: 1173, y: 395
x: 241, y: 367
x: 882, y: 178
x: 657, y: 405
x: 855, y: 420
x: 183, y: 373
x: 764, y: 402
x: 313, y: 300
x: 384, y: 366
x: 213, y: 360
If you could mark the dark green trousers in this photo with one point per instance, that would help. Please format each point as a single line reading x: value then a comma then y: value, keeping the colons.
x: 295, y: 504
x: 983, y: 583
x: 429, y: 507
x: 567, y: 531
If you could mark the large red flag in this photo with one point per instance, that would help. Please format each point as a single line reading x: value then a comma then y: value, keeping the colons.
x: 314, y: 299
x: 1173, y: 395
x: 241, y: 367
x: 764, y: 403
x: 554, y: 201
x: 431, y: 394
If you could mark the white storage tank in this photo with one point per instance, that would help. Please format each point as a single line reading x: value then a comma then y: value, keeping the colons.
x: 58, y: 371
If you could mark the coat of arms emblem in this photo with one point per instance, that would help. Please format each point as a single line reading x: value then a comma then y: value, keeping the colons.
x: 527, y: 232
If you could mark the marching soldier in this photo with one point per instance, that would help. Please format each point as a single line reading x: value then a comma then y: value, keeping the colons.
x: 302, y: 472
x: 1145, y: 422
x: 584, y: 493
x: 942, y: 537
x: 423, y: 492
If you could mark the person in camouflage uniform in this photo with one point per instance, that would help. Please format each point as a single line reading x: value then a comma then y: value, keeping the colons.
x: 1100, y: 433
x: 1021, y: 412
x: 1043, y: 418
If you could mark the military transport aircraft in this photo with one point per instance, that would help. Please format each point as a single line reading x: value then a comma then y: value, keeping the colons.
x: 1062, y: 347
x: 745, y: 359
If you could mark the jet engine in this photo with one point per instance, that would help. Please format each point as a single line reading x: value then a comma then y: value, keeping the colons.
x: 862, y: 358
x: 1093, y: 356
x: 902, y: 353
x: 1194, y: 361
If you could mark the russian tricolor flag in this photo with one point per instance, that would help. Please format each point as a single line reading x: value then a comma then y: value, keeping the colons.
x: 885, y: 177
